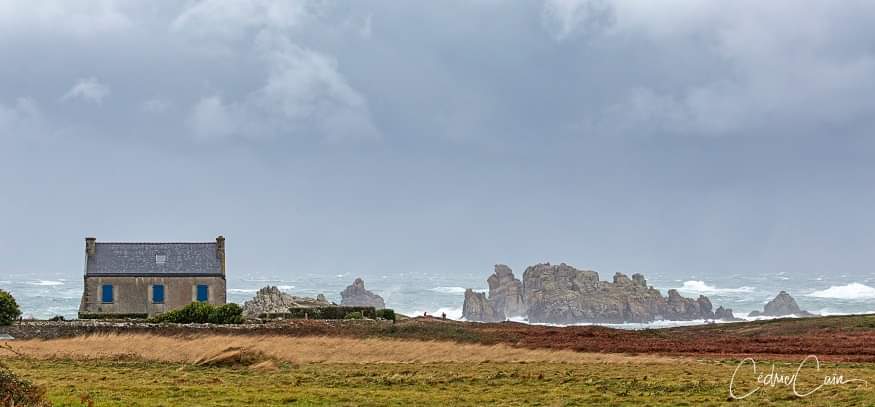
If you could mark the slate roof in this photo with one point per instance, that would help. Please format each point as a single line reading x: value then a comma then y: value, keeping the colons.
x: 136, y: 259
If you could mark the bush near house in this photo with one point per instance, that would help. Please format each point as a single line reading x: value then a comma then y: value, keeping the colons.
x: 15, y: 391
x: 328, y: 312
x: 354, y: 315
x: 202, y: 313
x: 9, y: 310
x: 386, y: 313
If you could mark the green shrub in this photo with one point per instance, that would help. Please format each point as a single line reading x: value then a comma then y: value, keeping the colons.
x: 354, y: 315
x: 327, y: 312
x: 8, y: 308
x: 226, y: 314
x: 15, y: 391
x: 386, y: 313
x: 202, y: 313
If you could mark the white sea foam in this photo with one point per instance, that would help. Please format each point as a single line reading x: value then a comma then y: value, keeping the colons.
x: 700, y: 287
x: 45, y: 282
x: 455, y: 290
x: 853, y: 291
x: 243, y: 290
x: 285, y: 287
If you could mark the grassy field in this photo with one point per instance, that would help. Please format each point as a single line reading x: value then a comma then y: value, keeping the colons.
x: 143, y: 370
x: 140, y: 383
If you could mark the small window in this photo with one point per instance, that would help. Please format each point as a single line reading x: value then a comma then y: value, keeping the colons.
x: 106, y: 294
x: 160, y: 258
x: 158, y: 294
x: 203, y: 293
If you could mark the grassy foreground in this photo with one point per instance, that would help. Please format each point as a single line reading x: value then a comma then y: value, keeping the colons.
x: 136, y: 369
x: 686, y: 383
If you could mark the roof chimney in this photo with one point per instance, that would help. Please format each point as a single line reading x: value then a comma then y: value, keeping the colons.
x: 90, y: 246
x: 220, y: 251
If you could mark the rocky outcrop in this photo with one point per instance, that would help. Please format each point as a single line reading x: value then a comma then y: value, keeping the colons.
x: 478, y: 308
x: 505, y: 298
x: 562, y: 294
x: 272, y: 300
x: 725, y: 314
x: 357, y: 295
x: 506, y: 292
x: 679, y: 308
x: 783, y: 304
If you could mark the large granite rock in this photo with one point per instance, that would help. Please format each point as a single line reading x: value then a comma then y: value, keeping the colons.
x: 506, y: 292
x: 357, y: 295
x: 505, y: 298
x: 783, y: 304
x: 562, y: 294
x: 271, y: 300
x: 478, y: 308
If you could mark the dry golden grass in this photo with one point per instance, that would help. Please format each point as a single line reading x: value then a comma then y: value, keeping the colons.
x: 251, y: 349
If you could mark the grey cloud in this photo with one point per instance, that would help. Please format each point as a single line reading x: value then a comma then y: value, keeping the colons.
x: 156, y: 105
x: 88, y: 90
x: 83, y: 19
x: 567, y: 18
x: 303, y: 93
x: 22, y: 118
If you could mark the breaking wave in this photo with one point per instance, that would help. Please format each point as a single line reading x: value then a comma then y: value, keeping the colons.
x: 454, y: 290
x: 853, y: 291
x: 700, y: 287
x: 243, y: 290
x: 45, y: 282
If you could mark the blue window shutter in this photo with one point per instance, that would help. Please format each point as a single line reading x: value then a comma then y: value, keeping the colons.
x: 158, y: 294
x: 202, y: 293
x: 106, y: 294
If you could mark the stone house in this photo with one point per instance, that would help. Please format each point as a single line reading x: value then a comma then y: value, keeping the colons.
x: 145, y: 279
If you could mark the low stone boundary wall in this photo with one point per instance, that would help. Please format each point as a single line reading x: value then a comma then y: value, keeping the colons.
x: 64, y: 329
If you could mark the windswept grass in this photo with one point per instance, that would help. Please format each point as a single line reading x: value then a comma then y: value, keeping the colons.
x: 686, y: 383
x: 298, y: 350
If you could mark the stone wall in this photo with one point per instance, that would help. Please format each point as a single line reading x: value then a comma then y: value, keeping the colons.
x: 61, y: 329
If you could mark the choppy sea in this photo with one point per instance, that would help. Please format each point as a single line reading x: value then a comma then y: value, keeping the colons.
x: 416, y: 293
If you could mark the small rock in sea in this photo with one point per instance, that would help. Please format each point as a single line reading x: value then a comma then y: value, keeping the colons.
x: 782, y: 305
x: 357, y: 295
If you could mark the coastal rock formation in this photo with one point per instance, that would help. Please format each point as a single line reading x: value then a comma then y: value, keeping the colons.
x: 679, y: 308
x: 562, y: 294
x: 783, y: 304
x: 357, y: 295
x: 271, y: 300
x: 506, y: 292
x: 725, y: 314
x: 478, y: 308
x: 505, y: 298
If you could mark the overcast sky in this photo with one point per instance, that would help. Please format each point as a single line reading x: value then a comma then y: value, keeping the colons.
x: 373, y: 137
